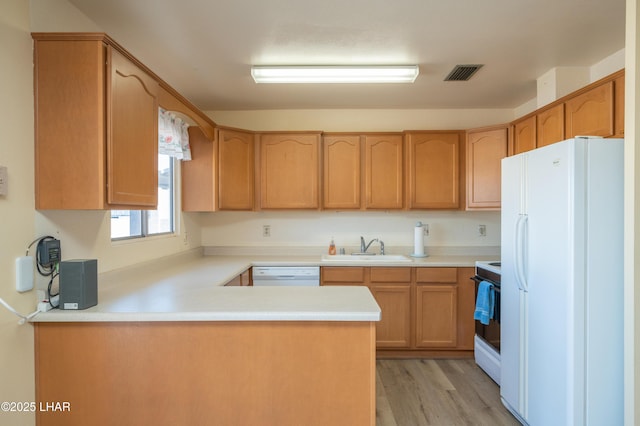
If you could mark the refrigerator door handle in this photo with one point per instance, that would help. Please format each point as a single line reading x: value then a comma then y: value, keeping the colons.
x: 521, y: 226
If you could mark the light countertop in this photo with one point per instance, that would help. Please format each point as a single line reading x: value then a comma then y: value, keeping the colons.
x: 190, y: 287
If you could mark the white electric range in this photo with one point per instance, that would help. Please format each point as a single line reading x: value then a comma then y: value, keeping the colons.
x: 487, y: 338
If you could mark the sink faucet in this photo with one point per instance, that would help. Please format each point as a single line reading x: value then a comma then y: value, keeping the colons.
x: 364, y: 247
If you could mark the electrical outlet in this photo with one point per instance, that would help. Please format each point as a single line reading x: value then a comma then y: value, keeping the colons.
x: 426, y: 229
x: 266, y: 230
x: 482, y: 230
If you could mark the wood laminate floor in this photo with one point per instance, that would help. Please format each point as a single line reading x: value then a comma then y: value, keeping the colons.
x: 442, y: 392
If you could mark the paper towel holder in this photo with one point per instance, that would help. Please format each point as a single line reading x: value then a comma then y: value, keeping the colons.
x: 418, y: 245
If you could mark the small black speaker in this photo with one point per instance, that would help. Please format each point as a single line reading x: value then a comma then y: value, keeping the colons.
x: 78, y: 283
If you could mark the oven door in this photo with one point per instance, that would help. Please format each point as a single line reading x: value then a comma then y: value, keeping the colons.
x: 487, y: 338
x: 491, y: 332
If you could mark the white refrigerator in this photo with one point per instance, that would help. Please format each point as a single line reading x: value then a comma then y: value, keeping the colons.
x: 562, y: 284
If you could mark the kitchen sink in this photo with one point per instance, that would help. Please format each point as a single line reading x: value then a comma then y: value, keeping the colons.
x: 369, y: 258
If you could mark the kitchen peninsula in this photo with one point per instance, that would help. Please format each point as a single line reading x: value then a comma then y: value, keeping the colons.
x: 197, y: 350
x: 170, y: 345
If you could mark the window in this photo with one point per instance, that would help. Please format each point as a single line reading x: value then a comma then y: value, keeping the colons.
x: 142, y: 223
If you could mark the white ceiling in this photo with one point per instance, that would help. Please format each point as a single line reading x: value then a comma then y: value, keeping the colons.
x: 205, y: 48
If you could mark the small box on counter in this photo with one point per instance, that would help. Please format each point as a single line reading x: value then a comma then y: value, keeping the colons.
x: 78, y: 283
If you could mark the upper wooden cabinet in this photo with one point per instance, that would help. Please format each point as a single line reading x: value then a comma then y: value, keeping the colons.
x: 132, y: 142
x: 550, y: 125
x: 220, y: 175
x: 342, y: 171
x: 524, y: 135
x: 590, y: 113
x: 595, y: 110
x: 172, y: 101
x: 289, y: 170
x: 383, y: 177
x: 236, y: 163
x: 485, y: 150
x: 433, y: 170
x: 96, y: 125
x: 199, y: 176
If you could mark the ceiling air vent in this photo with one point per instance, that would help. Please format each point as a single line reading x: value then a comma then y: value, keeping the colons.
x: 462, y: 72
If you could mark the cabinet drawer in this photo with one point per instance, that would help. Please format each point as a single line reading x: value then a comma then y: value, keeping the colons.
x: 337, y: 274
x: 390, y: 275
x: 436, y: 275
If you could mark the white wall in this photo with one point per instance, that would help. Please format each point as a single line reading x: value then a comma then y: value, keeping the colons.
x: 446, y: 229
x: 362, y: 120
x: 16, y: 209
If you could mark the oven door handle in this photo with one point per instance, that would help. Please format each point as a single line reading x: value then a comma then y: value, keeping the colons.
x: 519, y: 252
x: 478, y: 280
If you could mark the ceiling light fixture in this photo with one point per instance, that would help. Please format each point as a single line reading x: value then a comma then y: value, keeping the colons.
x: 335, y: 74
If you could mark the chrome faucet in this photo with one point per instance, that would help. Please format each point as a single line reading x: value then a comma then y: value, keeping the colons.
x: 364, y: 247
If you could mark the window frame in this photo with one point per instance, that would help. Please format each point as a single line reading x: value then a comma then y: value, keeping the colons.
x: 144, y: 214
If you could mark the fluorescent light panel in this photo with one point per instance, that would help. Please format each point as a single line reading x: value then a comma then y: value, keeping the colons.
x: 335, y: 74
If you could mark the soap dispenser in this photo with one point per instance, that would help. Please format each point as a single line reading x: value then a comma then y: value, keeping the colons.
x: 332, y: 247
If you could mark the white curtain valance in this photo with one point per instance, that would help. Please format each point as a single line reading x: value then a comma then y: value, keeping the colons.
x: 173, y: 136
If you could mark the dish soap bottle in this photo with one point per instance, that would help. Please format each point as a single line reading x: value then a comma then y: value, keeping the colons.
x: 332, y: 247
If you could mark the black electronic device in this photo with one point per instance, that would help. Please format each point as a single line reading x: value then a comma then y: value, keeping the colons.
x: 78, y: 284
x: 48, y: 251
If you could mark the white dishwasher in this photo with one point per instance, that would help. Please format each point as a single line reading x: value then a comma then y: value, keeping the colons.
x: 286, y: 275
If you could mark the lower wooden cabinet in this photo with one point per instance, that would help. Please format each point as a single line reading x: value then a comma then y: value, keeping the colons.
x: 337, y: 275
x: 436, y: 308
x: 394, y: 328
x: 423, y: 309
x: 391, y: 287
x: 436, y: 316
x: 244, y: 279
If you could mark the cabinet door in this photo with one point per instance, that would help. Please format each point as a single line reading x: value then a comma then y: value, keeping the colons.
x: 338, y: 275
x: 591, y: 113
x: 383, y: 171
x: 524, y: 135
x: 433, y: 170
x: 466, y: 307
x: 198, y: 175
x: 289, y: 171
x: 391, y: 287
x: 550, y: 126
x: 69, y: 89
x: 341, y: 161
x: 132, y: 143
x: 236, y: 164
x: 436, y: 316
x: 485, y: 151
x: 394, y: 328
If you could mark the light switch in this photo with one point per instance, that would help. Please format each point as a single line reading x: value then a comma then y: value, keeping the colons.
x: 3, y: 180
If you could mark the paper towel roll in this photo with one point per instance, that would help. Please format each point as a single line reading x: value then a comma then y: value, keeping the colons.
x: 418, y: 240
